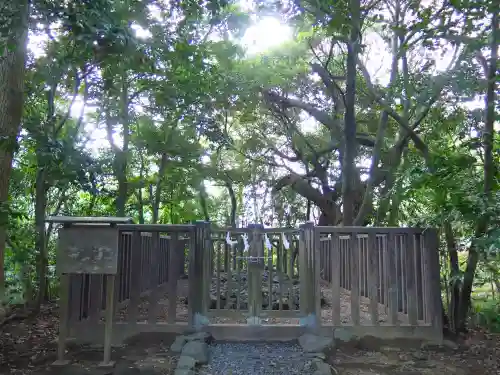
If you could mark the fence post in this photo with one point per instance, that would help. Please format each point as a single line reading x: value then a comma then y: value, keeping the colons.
x: 255, y: 268
x: 198, y: 275
x: 309, y: 276
x: 434, y: 297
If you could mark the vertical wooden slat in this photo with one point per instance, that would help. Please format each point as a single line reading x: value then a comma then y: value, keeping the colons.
x: 173, y: 276
x: 432, y: 249
x: 392, y: 276
x: 75, y: 297
x: 192, y: 279
x: 317, y: 276
x: 230, y: 283
x: 108, y: 321
x: 197, y: 276
x: 217, y: 281
x: 279, y: 268
x: 255, y: 272
x: 354, y: 263
x: 373, y: 277
x: 135, y: 277
x: 64, y: 319
x: 239, y: 271
x: 305, y: 288
x: 410, y: 279
x: 404, y: 299
x: 64, y: 325
x: 385, y: 244
x: 128, y: 273
x: 95, y: 297
x: 288, y: 256
x: 154, y: 279
x: 269, y: 254
x: 425, y: 284
x: 291, y: 270
x: 418, y: 276
x: 399, y: 274
x: 336, y: 277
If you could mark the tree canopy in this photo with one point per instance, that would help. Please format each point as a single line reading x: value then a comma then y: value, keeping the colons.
x: 372, y: 113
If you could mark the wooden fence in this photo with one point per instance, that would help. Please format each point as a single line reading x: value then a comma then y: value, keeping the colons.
x: 170, y: 275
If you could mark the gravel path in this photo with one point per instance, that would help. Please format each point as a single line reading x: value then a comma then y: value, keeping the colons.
x: 256, y: 359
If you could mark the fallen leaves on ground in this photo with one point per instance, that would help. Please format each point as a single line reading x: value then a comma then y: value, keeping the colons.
x: 28, y: 341
x: 28, y: 344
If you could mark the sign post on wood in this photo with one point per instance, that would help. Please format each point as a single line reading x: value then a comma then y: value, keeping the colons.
x: 87, y: 245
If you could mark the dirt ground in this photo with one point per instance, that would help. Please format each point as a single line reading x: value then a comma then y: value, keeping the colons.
x: 28, y: 346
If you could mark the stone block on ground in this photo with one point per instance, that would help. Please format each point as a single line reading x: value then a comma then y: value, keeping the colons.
x: 186, y: 362
x: 178, y: 344
x: 321, y: 368
x: 197, y: 350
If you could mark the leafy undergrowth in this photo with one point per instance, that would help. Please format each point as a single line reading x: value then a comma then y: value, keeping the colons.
x: 28, y: 345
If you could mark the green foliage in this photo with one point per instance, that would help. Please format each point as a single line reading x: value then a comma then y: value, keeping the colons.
x: 487, y: 314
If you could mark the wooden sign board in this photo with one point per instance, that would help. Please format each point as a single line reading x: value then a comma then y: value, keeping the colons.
x: 87, y: 249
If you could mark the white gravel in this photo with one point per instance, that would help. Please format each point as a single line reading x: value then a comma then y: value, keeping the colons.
x: 256, y: 359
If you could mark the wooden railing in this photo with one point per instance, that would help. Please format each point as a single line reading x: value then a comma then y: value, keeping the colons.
x: 395, y: 267
x: 392, y: 271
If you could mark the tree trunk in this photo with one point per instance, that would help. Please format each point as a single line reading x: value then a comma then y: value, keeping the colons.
x: 350, y: 142
x: 234, y: 204
x: 489, y: 172
x: 120, y: 162
x: 40, y: 211
x: 157, y: 199
x: 14, y: 15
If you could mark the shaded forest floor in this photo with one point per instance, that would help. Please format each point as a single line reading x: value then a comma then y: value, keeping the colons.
x: 28, y: 346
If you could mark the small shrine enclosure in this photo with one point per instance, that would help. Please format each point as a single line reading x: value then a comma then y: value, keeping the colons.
x: 247, y: 283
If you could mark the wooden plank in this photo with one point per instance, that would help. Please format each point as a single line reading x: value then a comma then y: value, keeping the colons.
x: 154, y: 297
x: 197, y: 303
x: 410, y: 279
x: 336, y: 278
x: 135, y: 278
x: 364, y: 231
x: 386, y: 271
x: 373, y: 277
x: 230, y: 283
x: 173, y: 276
x: 418, y: 276
x: 279, y: 268
x: 108, y: 322
x: 170, y: 228
x: 95, y: 298
x: 392, y: 276
x: 269, y: 254
x: 432, y: 245
x: 303, y: 286
x: 425, y: 277
x: 354, y: 263
x: 317, y: 277
x: 217, y: 272
x: 88, y: 219
x: 75, y: 297
x: 64, y: 320
x: 239, y: 271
